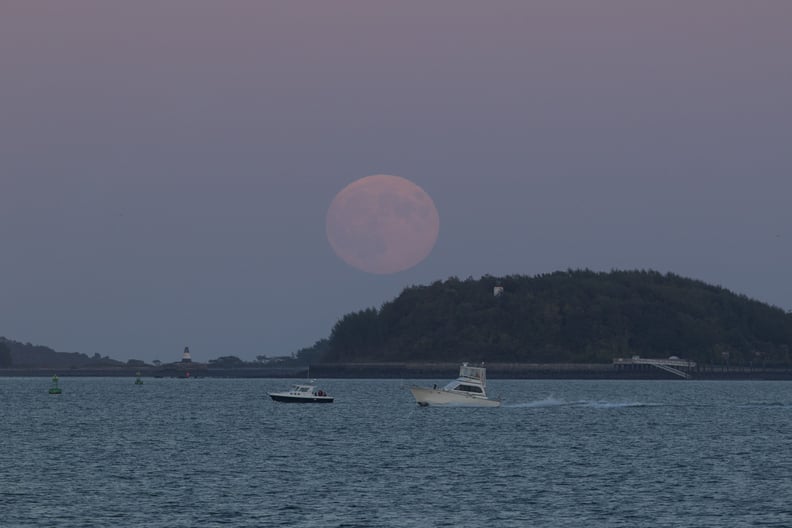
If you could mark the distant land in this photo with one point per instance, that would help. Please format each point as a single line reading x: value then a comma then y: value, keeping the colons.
x: 570, y: 324
x: 27, y: 359
x: 575, y: 316
x: 28, y: 355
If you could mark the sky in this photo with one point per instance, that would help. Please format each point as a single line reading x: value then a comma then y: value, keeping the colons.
x: 166, y: 167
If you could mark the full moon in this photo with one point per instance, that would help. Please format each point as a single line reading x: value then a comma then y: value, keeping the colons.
x: 382, y: 224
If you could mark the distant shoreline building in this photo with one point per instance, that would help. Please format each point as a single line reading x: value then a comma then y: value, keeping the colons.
x: 186, y: 356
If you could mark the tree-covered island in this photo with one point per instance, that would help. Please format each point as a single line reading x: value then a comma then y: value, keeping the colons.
x: 575, y: 316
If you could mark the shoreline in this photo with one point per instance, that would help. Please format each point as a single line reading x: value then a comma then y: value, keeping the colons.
x: 570, y: 371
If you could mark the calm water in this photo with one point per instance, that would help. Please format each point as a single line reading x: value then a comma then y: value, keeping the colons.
x: 208, y: 452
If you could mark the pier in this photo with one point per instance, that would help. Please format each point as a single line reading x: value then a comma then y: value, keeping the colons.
x: 674, y: 365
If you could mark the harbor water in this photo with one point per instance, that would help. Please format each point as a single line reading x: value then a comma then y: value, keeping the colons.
x: 219, y: 452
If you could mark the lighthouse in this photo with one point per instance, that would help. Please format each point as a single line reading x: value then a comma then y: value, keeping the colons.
x: 186, y: 355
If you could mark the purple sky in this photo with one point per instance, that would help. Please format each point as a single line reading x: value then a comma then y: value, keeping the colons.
x: 166, y: 167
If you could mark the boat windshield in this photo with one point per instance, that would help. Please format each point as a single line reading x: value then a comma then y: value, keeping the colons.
x: 463, y: 387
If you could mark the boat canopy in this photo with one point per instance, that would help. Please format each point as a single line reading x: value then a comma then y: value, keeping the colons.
x: 474, y: 373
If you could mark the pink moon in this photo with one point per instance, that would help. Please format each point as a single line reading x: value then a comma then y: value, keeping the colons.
x: 382, y: 224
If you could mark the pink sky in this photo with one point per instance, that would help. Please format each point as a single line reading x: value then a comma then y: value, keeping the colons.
x: 165, y: 167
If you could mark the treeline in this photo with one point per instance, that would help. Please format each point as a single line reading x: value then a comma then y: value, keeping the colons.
x: 234, y: 362
x: 27, y: 355
x: 577, y: 316
x: 17, y: 355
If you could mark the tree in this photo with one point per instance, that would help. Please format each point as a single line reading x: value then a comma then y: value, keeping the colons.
x: 567, y: 316
x: 227, y: 362
x: 5, y: 356
x: 314, y: 353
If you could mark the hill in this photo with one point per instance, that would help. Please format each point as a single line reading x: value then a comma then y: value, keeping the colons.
x: 26, y: 355
x: 564, y: 317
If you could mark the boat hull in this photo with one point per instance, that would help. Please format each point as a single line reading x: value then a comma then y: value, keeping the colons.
x: 288, y: 398
x: 443, y: 398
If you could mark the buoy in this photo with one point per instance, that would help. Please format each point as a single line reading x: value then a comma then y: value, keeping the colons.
x: 138, y: 381
x: 55, y: 389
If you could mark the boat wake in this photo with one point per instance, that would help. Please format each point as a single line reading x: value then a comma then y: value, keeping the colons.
x: 551, y: 401
x: 759, y: 405
x: 547, y: 402
x: 618, y: 405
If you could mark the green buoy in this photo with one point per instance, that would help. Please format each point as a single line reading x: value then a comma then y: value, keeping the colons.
x: 138, y: 381
x: 55, y: 389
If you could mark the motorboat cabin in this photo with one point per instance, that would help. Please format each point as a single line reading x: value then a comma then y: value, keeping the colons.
x: 469, y: 389
x: 302, y: 393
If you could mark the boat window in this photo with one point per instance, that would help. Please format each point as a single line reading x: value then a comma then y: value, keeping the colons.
x: 469, y: 388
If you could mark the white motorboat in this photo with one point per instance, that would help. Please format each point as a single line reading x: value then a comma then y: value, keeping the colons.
x: 301, y: 393
x: 468, y: 390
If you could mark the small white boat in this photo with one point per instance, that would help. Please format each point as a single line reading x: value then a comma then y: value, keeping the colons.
x: 468, y: 390
x: 302, y: 394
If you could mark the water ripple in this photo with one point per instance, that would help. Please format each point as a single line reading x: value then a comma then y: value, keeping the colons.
x: 211, y: 453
